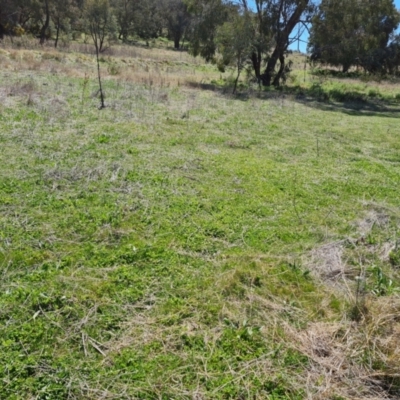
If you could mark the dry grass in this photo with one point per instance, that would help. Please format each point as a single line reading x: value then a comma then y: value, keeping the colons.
x: 158, y: 67
x: 344, y: 355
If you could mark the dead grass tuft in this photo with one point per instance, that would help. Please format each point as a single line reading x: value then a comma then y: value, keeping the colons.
x: 374, y: 218
x: 22, y: 88
x: 331, y: 261
x: 354, y: 360
x: 351, y: 360
x: 327, y: 261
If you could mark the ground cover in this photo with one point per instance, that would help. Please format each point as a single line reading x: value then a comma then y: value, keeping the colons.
x: 186, y: 244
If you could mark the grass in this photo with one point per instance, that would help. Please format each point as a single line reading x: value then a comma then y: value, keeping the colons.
x: 186, y: 244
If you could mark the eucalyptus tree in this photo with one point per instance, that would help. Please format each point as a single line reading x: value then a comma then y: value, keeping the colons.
x: 62, y: 12
x: 208, y: 15
x: 6, y: 12
x: 17, y: 14
x: 35, y: 16
x: 125, y: 13
x: 274, y: 22
x: 46, y: 20
x: 148, y: 20
x: 277, y: 20
x: 7, y: 16
x: 177, y: 19
x: 353, y: 32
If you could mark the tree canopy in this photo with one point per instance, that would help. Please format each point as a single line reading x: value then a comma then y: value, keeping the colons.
x: 247, y: 34
x: 353, y: 32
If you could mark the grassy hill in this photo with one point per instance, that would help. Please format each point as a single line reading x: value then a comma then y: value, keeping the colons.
x: 186, y: 244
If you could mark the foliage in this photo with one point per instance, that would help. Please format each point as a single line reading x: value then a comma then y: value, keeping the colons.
x: 273, y: 23
x: 282, y: 17
x: 62, y: 12
x: 101, y: 25
x: 177, y: 19
x: 100, y: 21
x: 351, y: 33
x: 148, y: 19
x: 234, y: 41
x: 343, y: 33
x: 125, y: 14
x: 383, y: 60
x: 209, y: 15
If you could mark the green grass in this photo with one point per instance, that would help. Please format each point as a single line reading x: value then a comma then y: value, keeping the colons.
x: 169, y: 246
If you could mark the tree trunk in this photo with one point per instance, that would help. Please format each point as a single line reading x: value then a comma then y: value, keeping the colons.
x: 256, y: 61
x: 266, y: 77
x: 123, y: 35
x: 239, y: 70
x: 102, y: 105
x: 45, y: 25
x: 278, y: 76
x: 282, y: 42
x: 96, y: 41
x: 57, y: 32
x: 177, y: 40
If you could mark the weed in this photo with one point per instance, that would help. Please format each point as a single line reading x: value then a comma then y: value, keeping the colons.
x: 85, y: 83
x: 113, y: 69
x: 383, y: 285
x: 394, y: 257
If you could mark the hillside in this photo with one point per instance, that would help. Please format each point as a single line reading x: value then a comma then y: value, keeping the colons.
x: 184, y: 243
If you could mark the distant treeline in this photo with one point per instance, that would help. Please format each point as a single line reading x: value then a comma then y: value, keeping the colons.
x: 255, y: 35
x: 125, y: 19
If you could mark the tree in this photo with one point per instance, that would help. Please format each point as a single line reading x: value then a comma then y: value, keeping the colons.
x: 177, y: 19
x: 46, y: 23
x: 353, y: 32
x: 100, y: 20
x: 35, y: 16
x: 262, y: 35
x: 17, y: 15
x: 234, y: 43
x: 61, y: 12
x: 281, y: 17
x: 274, y: 22
x: 208, y: 16
x: 392, y: 56
x: 125, y: 12
x: 8, y: 18
x: 148, y: 21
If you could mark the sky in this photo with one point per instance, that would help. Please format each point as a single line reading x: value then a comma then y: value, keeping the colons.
x: 302, y: 45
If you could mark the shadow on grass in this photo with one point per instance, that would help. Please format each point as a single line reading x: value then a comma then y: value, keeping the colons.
x: 348, y: 101
x: 334, y: 73
x: 206, y: 86
x: 367, y: 109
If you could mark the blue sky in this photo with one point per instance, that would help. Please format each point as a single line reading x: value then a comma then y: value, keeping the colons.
x: 303, y: 44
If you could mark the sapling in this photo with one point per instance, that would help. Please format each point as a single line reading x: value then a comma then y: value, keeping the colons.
x: 101, y: 24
